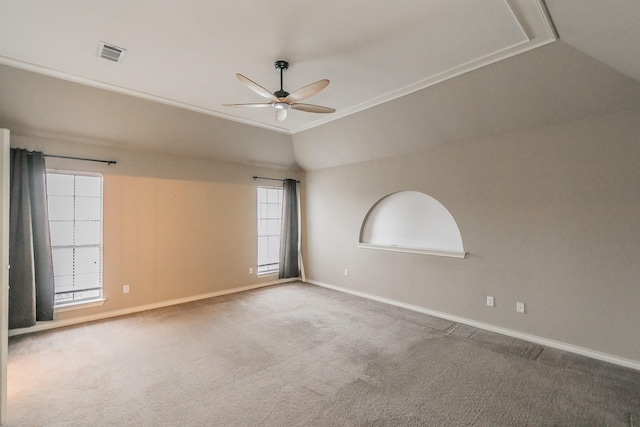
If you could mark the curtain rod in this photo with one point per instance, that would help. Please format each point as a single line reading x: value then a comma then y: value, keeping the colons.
x: 109, y: 162
x: 270, y: 179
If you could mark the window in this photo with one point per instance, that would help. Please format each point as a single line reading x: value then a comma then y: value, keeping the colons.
x: 269, y: 214
x: 75, y: 221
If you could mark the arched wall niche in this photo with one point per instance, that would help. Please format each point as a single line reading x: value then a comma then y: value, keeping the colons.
x: 414, y: 222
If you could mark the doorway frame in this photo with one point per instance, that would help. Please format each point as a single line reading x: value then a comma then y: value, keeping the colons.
x: 4, y: 270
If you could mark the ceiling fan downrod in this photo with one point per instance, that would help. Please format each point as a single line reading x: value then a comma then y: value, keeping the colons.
x: 281, y: 66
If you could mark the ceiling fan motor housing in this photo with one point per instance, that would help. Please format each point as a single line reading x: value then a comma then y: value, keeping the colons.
x: 282, y: 65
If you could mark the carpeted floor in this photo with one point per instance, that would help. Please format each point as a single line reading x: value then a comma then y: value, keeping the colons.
x: 298, y: 354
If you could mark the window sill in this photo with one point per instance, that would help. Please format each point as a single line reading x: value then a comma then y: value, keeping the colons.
x: 434, y: 252
x: 268, y: 273
x: 78, y: 305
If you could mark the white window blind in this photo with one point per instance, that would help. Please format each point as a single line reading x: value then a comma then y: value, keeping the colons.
x: 269, y: 222
x: 75, y: 222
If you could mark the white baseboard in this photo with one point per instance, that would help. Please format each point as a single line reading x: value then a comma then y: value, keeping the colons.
x: 44, y: 326
x: 620, y: 361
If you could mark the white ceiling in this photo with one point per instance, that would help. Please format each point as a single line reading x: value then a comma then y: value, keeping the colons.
x: 186, y: 53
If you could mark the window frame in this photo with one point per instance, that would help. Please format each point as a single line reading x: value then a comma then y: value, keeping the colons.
x: 89, y: 301
x: 263, y: 268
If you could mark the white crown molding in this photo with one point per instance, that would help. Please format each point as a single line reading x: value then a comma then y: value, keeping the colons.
x: 516, y: 16
x: 27, y: 66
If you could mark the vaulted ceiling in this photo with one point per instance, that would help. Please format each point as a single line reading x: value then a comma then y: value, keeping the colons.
x: 448, y: 70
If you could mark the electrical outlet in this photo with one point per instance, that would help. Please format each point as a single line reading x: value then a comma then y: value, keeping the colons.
x: 520, y: 307
x: 250, y: 270
x: 490, y: 301
x: 346, y: 272
x: 125, y: 289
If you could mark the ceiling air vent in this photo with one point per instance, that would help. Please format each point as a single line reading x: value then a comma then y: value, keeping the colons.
x: 111, y: 52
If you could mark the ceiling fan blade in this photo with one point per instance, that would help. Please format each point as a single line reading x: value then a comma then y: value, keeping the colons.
x: 257, y: 105
x: 307, y: 91
x: 256, y: 88
x: 309, y: 108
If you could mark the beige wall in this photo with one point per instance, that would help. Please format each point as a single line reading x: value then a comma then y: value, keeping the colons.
x: 549, y: 217
x: 173, y: 227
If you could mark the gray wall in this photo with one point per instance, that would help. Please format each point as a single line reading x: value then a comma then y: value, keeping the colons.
x: 549, y: 217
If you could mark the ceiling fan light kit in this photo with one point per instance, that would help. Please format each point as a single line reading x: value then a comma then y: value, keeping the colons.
x: 281, y: 115
x: 281, y: 100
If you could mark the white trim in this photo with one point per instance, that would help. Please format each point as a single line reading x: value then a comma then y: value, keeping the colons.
x: 546, y: 19
x: 519, y: 20
x: 435, y: 252
x: 44, y: 326
x: 4, y: 268
x: 78, y: 305
x: 267, y: 273
x: 594, y: 354
x: 73, y: 172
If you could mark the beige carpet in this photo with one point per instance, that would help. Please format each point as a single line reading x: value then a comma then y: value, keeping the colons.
x: 298, y: 354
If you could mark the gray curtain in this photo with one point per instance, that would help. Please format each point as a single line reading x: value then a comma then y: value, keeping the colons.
x: 289, y: 234
x: 31, y: 291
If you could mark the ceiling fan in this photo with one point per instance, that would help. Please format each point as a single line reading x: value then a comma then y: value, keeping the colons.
x: 282, y: 100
